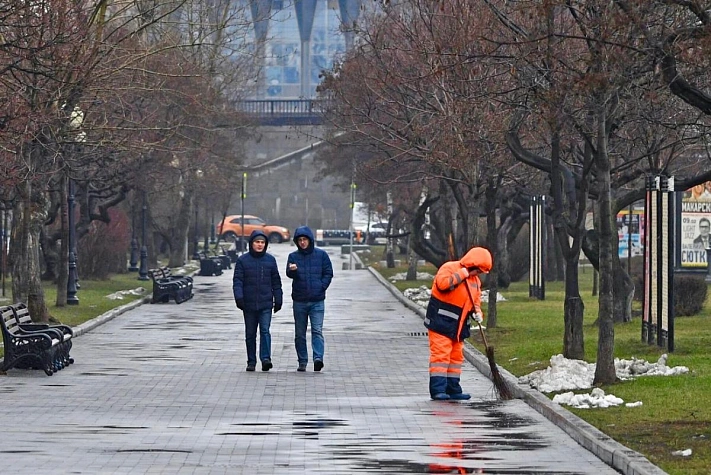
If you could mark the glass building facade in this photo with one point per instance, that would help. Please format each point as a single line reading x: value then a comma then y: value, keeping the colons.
x: 296, y: 40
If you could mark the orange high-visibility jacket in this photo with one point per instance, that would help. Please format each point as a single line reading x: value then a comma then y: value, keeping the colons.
x: 450, y: 302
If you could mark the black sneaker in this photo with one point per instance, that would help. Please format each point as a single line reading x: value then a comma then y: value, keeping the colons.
x: 250, y: 367
x: 302, y: 367
x: 318, y: 365
x: 267, y: 365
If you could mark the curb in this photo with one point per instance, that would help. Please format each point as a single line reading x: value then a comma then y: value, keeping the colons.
x: 607, y: 449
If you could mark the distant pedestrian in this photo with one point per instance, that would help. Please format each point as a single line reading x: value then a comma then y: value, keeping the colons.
x: 456, y: 296
x: 256, y: 286
x: 311, y: 273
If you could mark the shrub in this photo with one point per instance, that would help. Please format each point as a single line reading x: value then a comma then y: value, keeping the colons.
x: 102, y: 251
x: 689, y: 291
x: 689, y: 295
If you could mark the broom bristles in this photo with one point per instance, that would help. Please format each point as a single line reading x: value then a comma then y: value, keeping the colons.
x: 502, y: 389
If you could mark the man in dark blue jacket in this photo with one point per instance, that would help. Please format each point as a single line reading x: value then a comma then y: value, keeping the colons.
x: 256, y: 286
x: 311, y: 272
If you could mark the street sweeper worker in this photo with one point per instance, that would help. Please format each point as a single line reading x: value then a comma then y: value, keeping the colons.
x: 456, y: 296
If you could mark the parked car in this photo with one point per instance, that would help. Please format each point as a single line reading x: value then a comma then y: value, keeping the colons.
x: 374, y: 235
x: 231, y: 228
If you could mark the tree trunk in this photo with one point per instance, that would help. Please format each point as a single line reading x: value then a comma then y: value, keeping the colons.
x: 623, y: 288
x: 555, y: 262
x: 503, y: 261
x: 411, y: 262
x: 605, y: 367
x: 389, y: 243
x: 573, y: 311
x: 492, y: 240
x: 30, y: 213
x: 179, y: 234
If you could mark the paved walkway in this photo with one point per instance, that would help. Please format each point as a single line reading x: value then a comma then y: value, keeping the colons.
x: 163, y: 389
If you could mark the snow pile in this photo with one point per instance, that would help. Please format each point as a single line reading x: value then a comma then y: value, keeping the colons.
x: 682, y: 453
x: 122, y: 293
x: 485, y: 297
x: 629, y: 369
x: 597, y: 398
x: 420, y: 276
x: 564, y: 374
x: 419, y: 295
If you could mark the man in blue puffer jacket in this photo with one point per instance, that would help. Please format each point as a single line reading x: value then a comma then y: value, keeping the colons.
x: 256, y: 286
x: 311, y: 272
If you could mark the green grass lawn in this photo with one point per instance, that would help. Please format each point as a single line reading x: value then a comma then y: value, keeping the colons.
x: 676, y: 410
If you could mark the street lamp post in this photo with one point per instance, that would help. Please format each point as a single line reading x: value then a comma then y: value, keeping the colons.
x: 133, y: 263
x: 143, y: 271
x: 72, y: 298
x: 708, y: 265
x: 212, y: 227
x: 196, y: 255
x: 206, y: 245
x: 3, y: 246
x: 243, y: 195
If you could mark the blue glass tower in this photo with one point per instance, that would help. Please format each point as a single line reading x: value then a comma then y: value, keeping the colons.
x: 297, y: 39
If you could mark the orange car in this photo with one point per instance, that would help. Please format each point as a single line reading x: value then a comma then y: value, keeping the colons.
x: 231, y: 228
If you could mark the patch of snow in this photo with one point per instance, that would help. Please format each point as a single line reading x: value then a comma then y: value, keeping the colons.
x: 485, y: 296
x: 564, y: 374
x: 420, y: 276
x: 597, y: 398
x: 419, y: 295
x: 122, y: 293
x: 682, y: 453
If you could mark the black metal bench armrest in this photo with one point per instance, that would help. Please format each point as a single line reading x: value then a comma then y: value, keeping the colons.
x: 64, y: 329
x: 51, y: 332
x: 35, y: 337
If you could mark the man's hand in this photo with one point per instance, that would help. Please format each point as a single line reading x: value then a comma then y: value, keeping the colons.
x: 240, y: 304
x: 478, y: 317
x: 277, y: 308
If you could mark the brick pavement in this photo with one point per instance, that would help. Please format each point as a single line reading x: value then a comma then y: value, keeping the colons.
x: 162, y: 389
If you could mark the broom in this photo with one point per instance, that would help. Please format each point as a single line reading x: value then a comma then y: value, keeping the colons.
x: 502, y: 389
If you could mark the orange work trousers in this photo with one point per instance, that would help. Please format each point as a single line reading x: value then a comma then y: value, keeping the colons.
x: 446, y: 359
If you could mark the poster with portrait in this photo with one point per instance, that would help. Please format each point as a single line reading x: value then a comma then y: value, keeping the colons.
x: 629, y: 233
x: 695, y: 226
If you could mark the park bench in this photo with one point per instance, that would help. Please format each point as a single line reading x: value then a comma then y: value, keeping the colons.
x: 224, y: 257
x: 210, y: 265
x: 33, y: 345
x: 167, y: 286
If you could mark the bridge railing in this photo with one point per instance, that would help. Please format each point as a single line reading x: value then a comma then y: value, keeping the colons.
x: 284, y: 110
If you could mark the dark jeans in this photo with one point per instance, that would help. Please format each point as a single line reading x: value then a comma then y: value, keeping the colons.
x: 252, y: 320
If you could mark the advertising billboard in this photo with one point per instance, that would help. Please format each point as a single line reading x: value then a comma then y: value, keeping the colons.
x: 695, y: 226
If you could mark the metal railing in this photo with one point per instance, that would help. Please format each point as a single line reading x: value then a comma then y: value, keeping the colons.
x: 284, y: 111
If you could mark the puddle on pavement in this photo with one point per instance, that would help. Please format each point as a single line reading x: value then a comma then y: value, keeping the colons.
x: 308, y: 428
x: 475, y: 433
x: 170, y: 451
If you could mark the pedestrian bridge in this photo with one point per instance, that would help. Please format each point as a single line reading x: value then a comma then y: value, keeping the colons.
x: 284, y: 112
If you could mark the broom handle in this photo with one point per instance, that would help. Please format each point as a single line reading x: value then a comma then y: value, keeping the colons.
x: 481, y: 330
